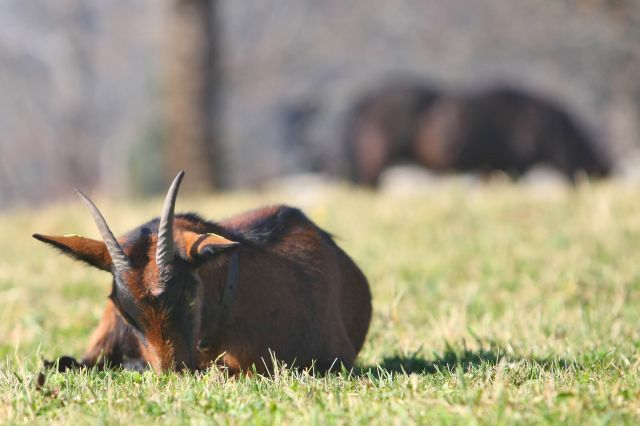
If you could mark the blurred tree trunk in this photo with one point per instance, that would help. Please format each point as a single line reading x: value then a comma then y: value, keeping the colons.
x: 193, y: 83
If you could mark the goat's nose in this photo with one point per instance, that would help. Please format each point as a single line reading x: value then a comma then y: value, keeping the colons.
x: 186, y: 365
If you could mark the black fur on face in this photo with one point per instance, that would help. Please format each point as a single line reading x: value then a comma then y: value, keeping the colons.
x: 180, y: 303
x: 167, y: 322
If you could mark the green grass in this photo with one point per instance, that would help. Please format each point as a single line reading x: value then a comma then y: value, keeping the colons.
x: 492, y: 305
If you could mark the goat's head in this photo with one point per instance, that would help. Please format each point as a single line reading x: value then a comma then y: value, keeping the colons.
x: 155, y: 286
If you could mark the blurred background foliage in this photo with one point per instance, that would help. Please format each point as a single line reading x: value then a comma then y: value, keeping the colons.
x: 115, y: 96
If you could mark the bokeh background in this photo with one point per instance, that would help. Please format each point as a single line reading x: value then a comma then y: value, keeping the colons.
x: 115, y: 96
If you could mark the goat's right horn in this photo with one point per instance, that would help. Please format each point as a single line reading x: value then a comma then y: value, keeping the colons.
x: 119, y: 259
x: 164, y: 246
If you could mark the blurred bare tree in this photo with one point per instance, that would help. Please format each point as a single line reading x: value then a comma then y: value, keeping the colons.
x: 193, y: 87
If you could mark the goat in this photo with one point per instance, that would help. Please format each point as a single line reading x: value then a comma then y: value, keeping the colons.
x: 500, y: 128
x: 187, y: 292
x: 510, y: 130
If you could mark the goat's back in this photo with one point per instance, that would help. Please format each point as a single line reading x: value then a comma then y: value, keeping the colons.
x: 298, y: 295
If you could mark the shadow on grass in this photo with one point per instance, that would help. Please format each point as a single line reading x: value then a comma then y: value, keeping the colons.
x: 452, y: 359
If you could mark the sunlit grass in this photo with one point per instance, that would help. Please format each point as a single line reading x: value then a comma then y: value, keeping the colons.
x: 492, y: 304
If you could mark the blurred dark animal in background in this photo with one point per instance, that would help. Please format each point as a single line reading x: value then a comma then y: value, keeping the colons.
x: 187, y: 293
x: 497, y: 129
x: 509, y: 130
x: 382, y: 126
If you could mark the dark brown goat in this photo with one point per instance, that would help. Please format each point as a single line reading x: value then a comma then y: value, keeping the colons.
x: 509, y: 130
x: 187, y: 292
x: 381, y: 128
x: 497, y: 129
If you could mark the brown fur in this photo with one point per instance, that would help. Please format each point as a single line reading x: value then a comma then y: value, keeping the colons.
x: 91, y: 251
x: 298, y: 296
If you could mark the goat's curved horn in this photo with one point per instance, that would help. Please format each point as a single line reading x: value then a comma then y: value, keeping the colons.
x: 119, y: 259
x: 164, y: 247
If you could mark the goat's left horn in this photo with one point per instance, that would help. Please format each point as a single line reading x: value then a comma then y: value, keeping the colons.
x: 164, y: 246
x: 118, y: 257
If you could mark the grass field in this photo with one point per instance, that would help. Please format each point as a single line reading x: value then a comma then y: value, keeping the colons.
x: 492, y: 305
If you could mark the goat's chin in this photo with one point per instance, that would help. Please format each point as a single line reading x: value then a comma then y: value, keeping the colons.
x: 173, y: 365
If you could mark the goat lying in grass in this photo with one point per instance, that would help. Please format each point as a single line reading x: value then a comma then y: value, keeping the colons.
x: 187, y: 292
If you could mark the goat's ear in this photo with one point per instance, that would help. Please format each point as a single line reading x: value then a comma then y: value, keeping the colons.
x: 200, y: 247
x: 93, y: 252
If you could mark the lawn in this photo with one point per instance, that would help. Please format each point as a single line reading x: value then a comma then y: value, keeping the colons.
x: 492, y: 305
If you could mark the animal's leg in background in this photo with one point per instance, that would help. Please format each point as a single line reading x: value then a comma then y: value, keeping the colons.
x: 369, y: 154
